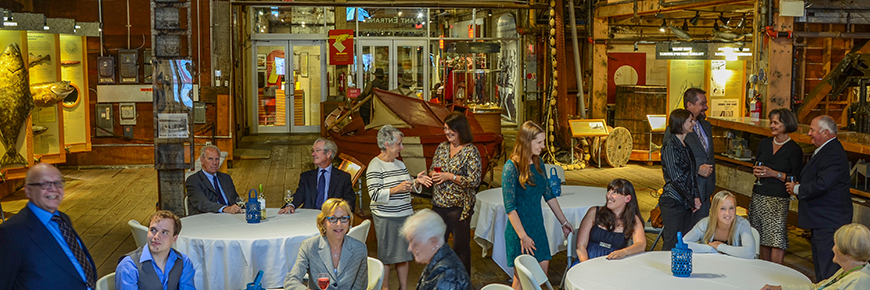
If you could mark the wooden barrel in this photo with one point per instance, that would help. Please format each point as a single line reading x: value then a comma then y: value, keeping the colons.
x: 633, y: 103
x: 490, y: 122
x: 616, y: 147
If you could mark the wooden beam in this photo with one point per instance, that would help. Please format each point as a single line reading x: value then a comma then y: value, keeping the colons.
x: 598, y: 95
x: 650, y: 7
x: 562, y: 103
x: 780, y: 52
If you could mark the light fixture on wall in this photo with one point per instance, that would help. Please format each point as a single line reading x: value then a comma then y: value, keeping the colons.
x: 694, y: 20
x: 664, y: 25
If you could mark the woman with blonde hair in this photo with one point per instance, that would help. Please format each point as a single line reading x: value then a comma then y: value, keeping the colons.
x: 345, y: 262
x: 523, y: 184
x: 851, y: 252
x: 723, y: 230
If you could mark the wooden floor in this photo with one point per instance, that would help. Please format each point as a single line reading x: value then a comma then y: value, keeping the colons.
x: 101, y: 201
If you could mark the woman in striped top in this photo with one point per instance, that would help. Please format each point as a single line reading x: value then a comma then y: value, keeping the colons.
x: 390, y: 186
x: 680, y: 197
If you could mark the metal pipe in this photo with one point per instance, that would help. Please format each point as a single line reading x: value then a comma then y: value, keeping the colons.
x: 581, y: 100
x: 198, y: 44
x: 100, y: 9
x: 128, y: 24
x: 394, y: 3
x: 211, y: 44
x: 832, y: 34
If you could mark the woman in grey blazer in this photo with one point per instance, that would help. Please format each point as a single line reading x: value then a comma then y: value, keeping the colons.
x: 342, y: 259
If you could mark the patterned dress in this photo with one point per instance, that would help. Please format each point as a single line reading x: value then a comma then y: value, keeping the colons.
x: 465, y: 164
x: 527, y: 203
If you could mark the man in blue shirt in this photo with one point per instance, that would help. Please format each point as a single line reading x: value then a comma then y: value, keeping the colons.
x: 321, y: 183
x: 39, y: 249
x: 209, y: 190
x: 157, y: 265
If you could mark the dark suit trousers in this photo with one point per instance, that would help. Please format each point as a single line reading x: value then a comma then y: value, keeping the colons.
x: 676, y: 218
x: 701, y: 213
x: 822, y: 242
x: 461, y: 233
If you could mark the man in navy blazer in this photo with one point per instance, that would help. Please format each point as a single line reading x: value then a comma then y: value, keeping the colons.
x: 337, y: 183
x: 824, y: 200
x: 34, y: 248
x: 700, y: 141
x: 201, y: 193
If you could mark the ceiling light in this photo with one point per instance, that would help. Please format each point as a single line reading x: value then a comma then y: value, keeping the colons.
x: 723, y: 19
x: 664, y: 25
x: 694, y: 20
x: 400, y: 13
x: 635, y: 46
x: 659, y: 15
x: 685, y: 25
x: 742, y: 22
x: 715, y: 25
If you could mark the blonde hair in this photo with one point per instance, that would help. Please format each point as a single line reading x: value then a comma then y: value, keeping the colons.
x: 853, y: 240
x: 523, y: 152
x: 328, y: 208
x: 714, y: 217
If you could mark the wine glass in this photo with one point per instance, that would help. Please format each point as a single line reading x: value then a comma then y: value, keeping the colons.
x: 323, y: 281
x: 758, y: 179
x: 792, y: 196
x: 288, y: 197
x: 437, y: 169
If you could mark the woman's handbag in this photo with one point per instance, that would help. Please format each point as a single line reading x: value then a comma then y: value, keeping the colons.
x: 555, y: 182
x: 655, y: 217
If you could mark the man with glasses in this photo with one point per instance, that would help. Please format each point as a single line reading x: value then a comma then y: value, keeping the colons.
x: 39, y: 249
x: 209, y: 190
x: 156, y: 265
x: 321, y: 183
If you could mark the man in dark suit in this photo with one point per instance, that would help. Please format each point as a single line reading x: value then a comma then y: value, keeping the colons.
x: 700, y: 141
x: 209, y: 190
x: 39, y: 249
x: 323, y: 182
x: 824, y: 201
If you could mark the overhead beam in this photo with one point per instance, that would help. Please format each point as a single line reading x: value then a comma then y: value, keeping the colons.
x: 650, y: 7
x: 395, y: 3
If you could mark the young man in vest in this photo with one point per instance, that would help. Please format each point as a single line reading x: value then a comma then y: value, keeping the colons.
x: 157, y: 265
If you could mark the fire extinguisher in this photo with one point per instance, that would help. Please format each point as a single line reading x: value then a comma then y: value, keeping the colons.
x: 341, y: 82
x: 755, y: 108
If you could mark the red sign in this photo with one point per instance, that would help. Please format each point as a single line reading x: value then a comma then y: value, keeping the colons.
x: 353, y: 93
x: 341, y: 47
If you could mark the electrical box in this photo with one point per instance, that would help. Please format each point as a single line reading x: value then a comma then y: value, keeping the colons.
x: 146, y: 65
x: 106, y: 70
x: 128, y: 66
x: 127, y: 115
x: 199, y: 113
x: 128, y: 132
x: 105, y: 124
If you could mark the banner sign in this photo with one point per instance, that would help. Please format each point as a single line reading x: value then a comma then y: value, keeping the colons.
x: 341, y: 47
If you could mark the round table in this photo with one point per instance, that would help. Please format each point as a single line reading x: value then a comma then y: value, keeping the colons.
x: 652, y: 270
x: 489, y: 219
x: 227, y: 252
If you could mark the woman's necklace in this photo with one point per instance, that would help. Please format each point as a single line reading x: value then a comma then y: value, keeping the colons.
x: 783, y: 142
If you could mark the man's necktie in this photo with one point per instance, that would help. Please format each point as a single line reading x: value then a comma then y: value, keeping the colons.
x: 66, y: 231
x: 321, y: 189
x: 701, y: 135
x: 217, y: 189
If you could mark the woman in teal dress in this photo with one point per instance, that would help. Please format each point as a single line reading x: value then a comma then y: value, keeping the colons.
x: 523, y: 184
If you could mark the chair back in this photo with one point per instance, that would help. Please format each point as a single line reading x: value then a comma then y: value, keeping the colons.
x: 361, y: 231
x: 352, y: 166
x: 496, y: 286
x: 529, y: 267
x: 757, y: 241
x: 559, y: 171
x: 186, y: 206
x: 376, y: 274
x: 571, y: 253
x: 107, y: 282
x: 140, y: 233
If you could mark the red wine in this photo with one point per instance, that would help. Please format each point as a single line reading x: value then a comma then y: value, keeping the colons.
x: 323, y: 283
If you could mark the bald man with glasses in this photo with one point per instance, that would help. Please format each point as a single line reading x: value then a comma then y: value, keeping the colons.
x: 321, y: 183
x: 39, y: 249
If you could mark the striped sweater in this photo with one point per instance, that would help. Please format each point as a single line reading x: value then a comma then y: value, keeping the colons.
x: 380, y: 177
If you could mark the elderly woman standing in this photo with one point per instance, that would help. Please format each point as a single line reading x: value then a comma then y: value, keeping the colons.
x: 344, y: 260
x: 455, y: 171
x: 390, y: 187
x: 851, y: 252
x: 523, y: 183
x: 680, y: 197
x: 768, y: 210
x: 425, y: 234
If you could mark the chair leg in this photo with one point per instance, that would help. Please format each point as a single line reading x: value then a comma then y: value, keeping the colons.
x: 659, y: 236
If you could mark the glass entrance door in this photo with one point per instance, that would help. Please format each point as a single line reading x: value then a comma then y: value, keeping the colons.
x: 291, y: 83
x: 403, y: 61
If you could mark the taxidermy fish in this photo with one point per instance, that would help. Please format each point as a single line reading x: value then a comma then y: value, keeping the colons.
x: 47, y: 94
x: 37, y: 129
x: 682, y: 34
x: 15, y: 102
x: 34, y: 60
x: 724, y: 35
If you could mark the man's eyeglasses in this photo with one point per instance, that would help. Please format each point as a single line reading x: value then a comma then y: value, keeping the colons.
x: 317, y: 150
x: 47, y: 185
x: 335, y: 219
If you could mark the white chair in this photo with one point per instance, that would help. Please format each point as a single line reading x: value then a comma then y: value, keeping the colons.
x: 107, y: 282
x: 757, y: 241
x: 186, y: 207
x: 376, y: 274
x: 559, y: 171
x: 496, y: 286
x: 530, y: 273
x: 361, y: 231
x: 571, y: 252
x: 140, y: 233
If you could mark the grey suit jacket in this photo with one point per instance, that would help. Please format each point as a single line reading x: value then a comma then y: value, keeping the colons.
x: 202, y: 196
x: 706, y: 185
x: 315, y: 258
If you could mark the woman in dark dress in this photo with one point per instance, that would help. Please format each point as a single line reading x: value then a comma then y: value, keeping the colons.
x: 523, y: 183
x: 680, y: 197
x: 605, y: 230
x: 781, y: 157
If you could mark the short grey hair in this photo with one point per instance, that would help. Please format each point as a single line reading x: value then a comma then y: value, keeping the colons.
x: 388, y: 135
x: 424, y: 225
x: 827, y: 123
x: 206, y: 147
x: 328, y: 145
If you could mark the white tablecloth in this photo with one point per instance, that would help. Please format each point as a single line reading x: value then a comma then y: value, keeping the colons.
x: 227, y: 252
x: 489, y: 219
x: 652, y: 270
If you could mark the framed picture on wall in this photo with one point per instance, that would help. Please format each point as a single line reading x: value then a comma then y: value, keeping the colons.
x: 588, y: 127
x: 261, y: 61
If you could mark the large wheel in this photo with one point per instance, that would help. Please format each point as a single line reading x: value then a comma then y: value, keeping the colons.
x: 617, y: 147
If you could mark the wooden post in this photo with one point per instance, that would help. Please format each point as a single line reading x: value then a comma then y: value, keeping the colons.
x: 780, y: 61
x: 598, y: 97
x: 563, y: 103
